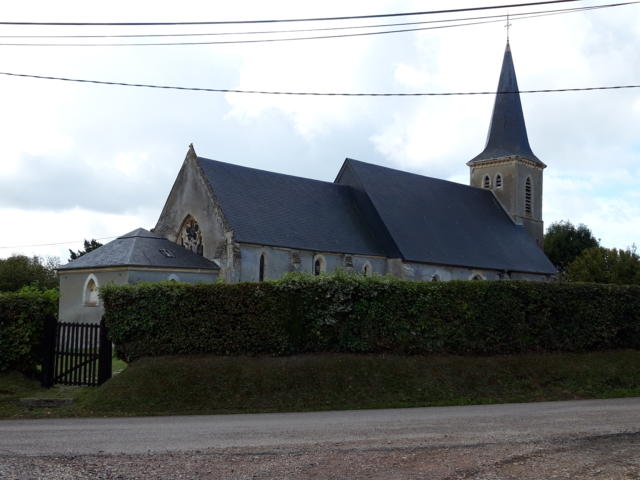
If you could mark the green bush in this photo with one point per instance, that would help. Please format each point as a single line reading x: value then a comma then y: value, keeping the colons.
x: 22, y: 316
x: 350, y: 313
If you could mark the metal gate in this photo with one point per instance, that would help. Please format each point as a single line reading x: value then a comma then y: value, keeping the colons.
x: 75, y: 354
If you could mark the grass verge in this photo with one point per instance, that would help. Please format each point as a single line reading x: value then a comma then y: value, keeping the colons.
x: 209, y: 384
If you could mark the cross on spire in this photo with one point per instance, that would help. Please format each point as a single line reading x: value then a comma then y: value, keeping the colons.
x: 507, y: 26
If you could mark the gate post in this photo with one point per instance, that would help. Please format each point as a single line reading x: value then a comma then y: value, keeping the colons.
x: 104, y: 354
x: 48, y: 351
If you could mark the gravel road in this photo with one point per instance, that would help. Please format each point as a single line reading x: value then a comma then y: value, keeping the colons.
x: 595, y: 439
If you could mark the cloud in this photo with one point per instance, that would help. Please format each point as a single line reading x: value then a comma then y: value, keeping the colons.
x: 85, y: 155
x: 23, y: 230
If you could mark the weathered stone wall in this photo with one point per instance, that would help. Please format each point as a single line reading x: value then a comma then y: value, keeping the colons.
x: 426, y: 272
x: 192, y: 196
x: 279, y: 261
x: 136, y: 276
x: 511, y: 194
x: 71, y: 306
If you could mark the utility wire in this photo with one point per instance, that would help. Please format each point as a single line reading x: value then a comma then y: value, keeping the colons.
x: 290, y: 20
x: 316, y: 94
x: 324, y: 29
x: 234, y: 42
x: 272, y: 40
x: 52, y: 244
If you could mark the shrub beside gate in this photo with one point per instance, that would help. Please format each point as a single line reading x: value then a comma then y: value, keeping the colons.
x: 22, y: 320
x: 348, y: 313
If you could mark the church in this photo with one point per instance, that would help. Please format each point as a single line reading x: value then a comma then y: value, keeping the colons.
x: 242, y: 224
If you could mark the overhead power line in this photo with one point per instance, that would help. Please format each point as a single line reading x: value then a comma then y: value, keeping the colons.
x: 500, y: 18
x: 325, y: 29
x: 315, y: 94
x: 232, y: 42
x: 291, y: 20
x: 53, y: 244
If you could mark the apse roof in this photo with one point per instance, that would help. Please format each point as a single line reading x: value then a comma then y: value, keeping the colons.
x: 141, y: 248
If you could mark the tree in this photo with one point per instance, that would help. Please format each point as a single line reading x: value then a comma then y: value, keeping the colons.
x: 19, y: 271
x: 564, y: 242
x: 88, y: 247
x: 606, y: 265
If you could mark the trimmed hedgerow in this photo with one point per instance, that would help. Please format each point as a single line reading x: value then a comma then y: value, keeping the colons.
x: 350, y: 313
x: 22, y: 317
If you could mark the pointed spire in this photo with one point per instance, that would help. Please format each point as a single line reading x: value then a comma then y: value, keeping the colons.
x: 507, y: 135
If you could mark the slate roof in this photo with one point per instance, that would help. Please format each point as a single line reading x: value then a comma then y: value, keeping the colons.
x: 268, y: 208
x: 507, y: 135
x: 373, y: 210
x: 141, y: 248
x: 436, y: 221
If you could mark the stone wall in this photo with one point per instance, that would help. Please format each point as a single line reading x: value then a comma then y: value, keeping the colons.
x: 71, y: 306
x: 279, y: 261
x: 426, y: 272
x: 204, y: 276
x: 191, y: 196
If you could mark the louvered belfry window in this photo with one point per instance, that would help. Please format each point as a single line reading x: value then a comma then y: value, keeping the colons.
x: 498, y: 181
x: 527, y: 196
x: 486, y: 183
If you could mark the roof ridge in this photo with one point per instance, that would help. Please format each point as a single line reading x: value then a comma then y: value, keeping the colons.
x: 132, y: 248
x: 267, y: 171
x: 409, y: 173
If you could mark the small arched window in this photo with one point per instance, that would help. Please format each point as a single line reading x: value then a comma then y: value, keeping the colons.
x: 504, y: 275
x: 261, y: 268
x: 367, y: 270
x: 476, y: 276
x: 527, y: 196
x: 319, y: 265
x: 486, y: 182
x: 91, y: 291
x: 174, y: 278
x: 435, y: 277
x: 498, y: 181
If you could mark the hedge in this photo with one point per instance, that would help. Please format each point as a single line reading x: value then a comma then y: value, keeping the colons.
x: 348, y: 313
x: 22, y: 316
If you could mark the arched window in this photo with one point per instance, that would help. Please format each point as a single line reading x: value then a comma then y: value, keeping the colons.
x: 190, y: 235
x: 319, y: 265
x: 498, y: 181
x: 504, y: 275
x: 90, y: 295
x: 174, y: 278
x: 261, y: 268
x: 435, y: 277
x: 367, y: 270
x: 476, y: 276
x: 486, y: 182
x: 527, y: 196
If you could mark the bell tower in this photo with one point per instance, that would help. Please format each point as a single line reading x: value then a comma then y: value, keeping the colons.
x: 507, y: 166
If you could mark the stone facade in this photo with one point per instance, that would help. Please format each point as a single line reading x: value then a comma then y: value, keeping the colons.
x: 507, y: 179
x: 191, y: 198
x: 79, y: 300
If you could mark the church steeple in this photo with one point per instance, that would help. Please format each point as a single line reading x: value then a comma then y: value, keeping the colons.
x: 507, y: 165
x: 507, y: 135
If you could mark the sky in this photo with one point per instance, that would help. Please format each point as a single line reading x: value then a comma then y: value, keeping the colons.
x: 81, y: 161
